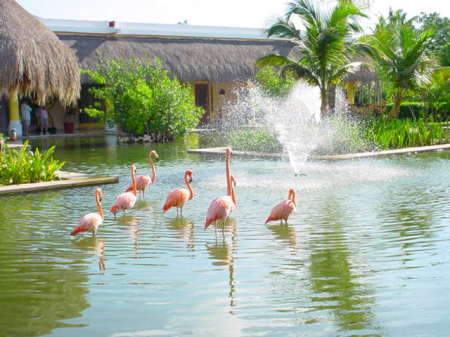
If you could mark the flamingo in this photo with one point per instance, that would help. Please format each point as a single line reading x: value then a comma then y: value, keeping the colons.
x: 142, y: 182
x: 90, y: 222
x: 126, y: 200
x: 221, y: 207
x: 178, y: 197
x: 284, y: 209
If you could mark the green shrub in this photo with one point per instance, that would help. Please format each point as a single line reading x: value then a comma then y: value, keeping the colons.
x: 409, y: 110
x: 273, y: 84
x: 258, y: 140
x: 399, y: 133
x: 21, y: 166
x: 144, y: 99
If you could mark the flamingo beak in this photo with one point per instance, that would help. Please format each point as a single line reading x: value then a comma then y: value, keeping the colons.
x: 190, y: 179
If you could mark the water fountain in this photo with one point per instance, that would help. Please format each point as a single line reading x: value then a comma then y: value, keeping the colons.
x: 296, y: 123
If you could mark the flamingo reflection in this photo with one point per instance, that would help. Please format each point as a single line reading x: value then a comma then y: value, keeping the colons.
x: 286, y: 234
x: 222, y: 253
x: 96, y: 245
x: 131, y: 224
x: 185, y: 228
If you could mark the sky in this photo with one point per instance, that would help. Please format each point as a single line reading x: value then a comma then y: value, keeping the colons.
x: 234, y: 13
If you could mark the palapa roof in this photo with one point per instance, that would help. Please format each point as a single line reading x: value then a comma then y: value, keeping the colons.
x: 33, y: 59
x: 216, y: 60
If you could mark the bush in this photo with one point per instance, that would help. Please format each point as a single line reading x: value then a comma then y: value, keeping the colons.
x: 23, y: 166
x: 272, y: 83
x: 258, y: 140
x: 399, y: 133
x: 145, y: 100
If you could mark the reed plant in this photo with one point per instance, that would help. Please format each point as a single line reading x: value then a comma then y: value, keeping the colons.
x: 20, y: 166
x: 400, y: 133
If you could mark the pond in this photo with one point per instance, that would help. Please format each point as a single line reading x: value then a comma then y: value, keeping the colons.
x: 366, y: 254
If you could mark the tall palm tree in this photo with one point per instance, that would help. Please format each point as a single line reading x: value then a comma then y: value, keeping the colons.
x: 398, y: 51
x: 324, y: 45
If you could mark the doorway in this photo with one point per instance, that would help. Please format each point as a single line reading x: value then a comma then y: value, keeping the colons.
x: 202, y: 99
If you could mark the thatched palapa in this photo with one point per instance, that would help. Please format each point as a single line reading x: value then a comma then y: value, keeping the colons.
x: 33, y: 59
x: 190, y: 59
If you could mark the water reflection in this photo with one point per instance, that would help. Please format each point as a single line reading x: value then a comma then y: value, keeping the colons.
x: 185, y: 229
x: 222, y: 252
x: 285, y: 234
x: 130, y: 224
x: 96, y: 245
x: 339, y: 282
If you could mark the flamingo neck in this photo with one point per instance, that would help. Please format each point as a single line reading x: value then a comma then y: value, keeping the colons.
x: 133, y: 182
x: 189, y: 187
x: 152, y: 164
x: 99, y: 205
x: 228, y: 175
x: 233, y: 193
x: 291, y: 197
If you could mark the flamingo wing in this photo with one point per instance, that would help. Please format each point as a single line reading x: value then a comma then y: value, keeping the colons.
x: 125, y: 200
x: 88, y: 223
x: 176, y: 198
x: 281, y: 211
x: 142, y: 182
x: 219, y: 209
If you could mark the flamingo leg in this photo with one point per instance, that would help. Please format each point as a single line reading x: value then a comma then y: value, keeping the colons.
x: 181, y: 211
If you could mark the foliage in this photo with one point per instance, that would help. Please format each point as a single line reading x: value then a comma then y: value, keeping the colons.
x: 258, y: 140
x: 324, y: 47
x: 441, y: 25
x: 20, y: 166
x: 399, y: 133
x: 398, y: 50
x: 273, y: 84
x: 436, y: 94
x: 444, y: 57
x: 143, y: 98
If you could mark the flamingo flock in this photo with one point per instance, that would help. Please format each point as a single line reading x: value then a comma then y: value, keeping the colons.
x: 218, y: 211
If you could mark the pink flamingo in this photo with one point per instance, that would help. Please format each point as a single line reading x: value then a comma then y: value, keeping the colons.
x: 90, y: 222
x: 284, y: 209
x: 126, y: 200
x: 178, y: 198
x: 142, y: 182
x: 221, y: 207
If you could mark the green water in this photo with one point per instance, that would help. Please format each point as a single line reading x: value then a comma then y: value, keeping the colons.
x: 366, y: 254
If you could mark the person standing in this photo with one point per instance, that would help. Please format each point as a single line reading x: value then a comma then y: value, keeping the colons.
x: 25, y: 111
x: 43, y: 117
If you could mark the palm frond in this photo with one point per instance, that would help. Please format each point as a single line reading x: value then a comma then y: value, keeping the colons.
x: 273, y: 60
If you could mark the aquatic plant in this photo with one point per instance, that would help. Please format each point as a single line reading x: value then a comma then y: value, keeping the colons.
x: 399, y: 133
x: 20, y: 166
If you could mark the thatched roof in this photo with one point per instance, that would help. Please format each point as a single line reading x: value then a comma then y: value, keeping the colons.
x: 190, y: 59
x: 33, y: 59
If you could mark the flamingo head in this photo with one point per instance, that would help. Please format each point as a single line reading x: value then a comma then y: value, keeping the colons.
x: 153, y: 154
x: 188, y: 175
x: 114, y: 209
x: 228, y: 151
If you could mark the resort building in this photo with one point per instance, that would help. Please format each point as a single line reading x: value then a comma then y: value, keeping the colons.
x: 215, y: 60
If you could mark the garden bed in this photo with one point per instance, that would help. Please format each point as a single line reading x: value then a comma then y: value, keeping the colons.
x: 67, y: 180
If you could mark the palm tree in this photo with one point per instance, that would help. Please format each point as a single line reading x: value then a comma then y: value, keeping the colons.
x: 398, y: 51
x: 324, y: 46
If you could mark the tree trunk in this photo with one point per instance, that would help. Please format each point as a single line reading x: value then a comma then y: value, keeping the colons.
x: 323, y: 102
x: 395, y: 111
x: 332, y: 99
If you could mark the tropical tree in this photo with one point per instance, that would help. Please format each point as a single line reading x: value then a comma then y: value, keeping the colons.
x: 324, y: 44
x: 399, y: 52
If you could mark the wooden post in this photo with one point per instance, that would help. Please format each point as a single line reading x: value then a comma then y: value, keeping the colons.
x: 14, y: 115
